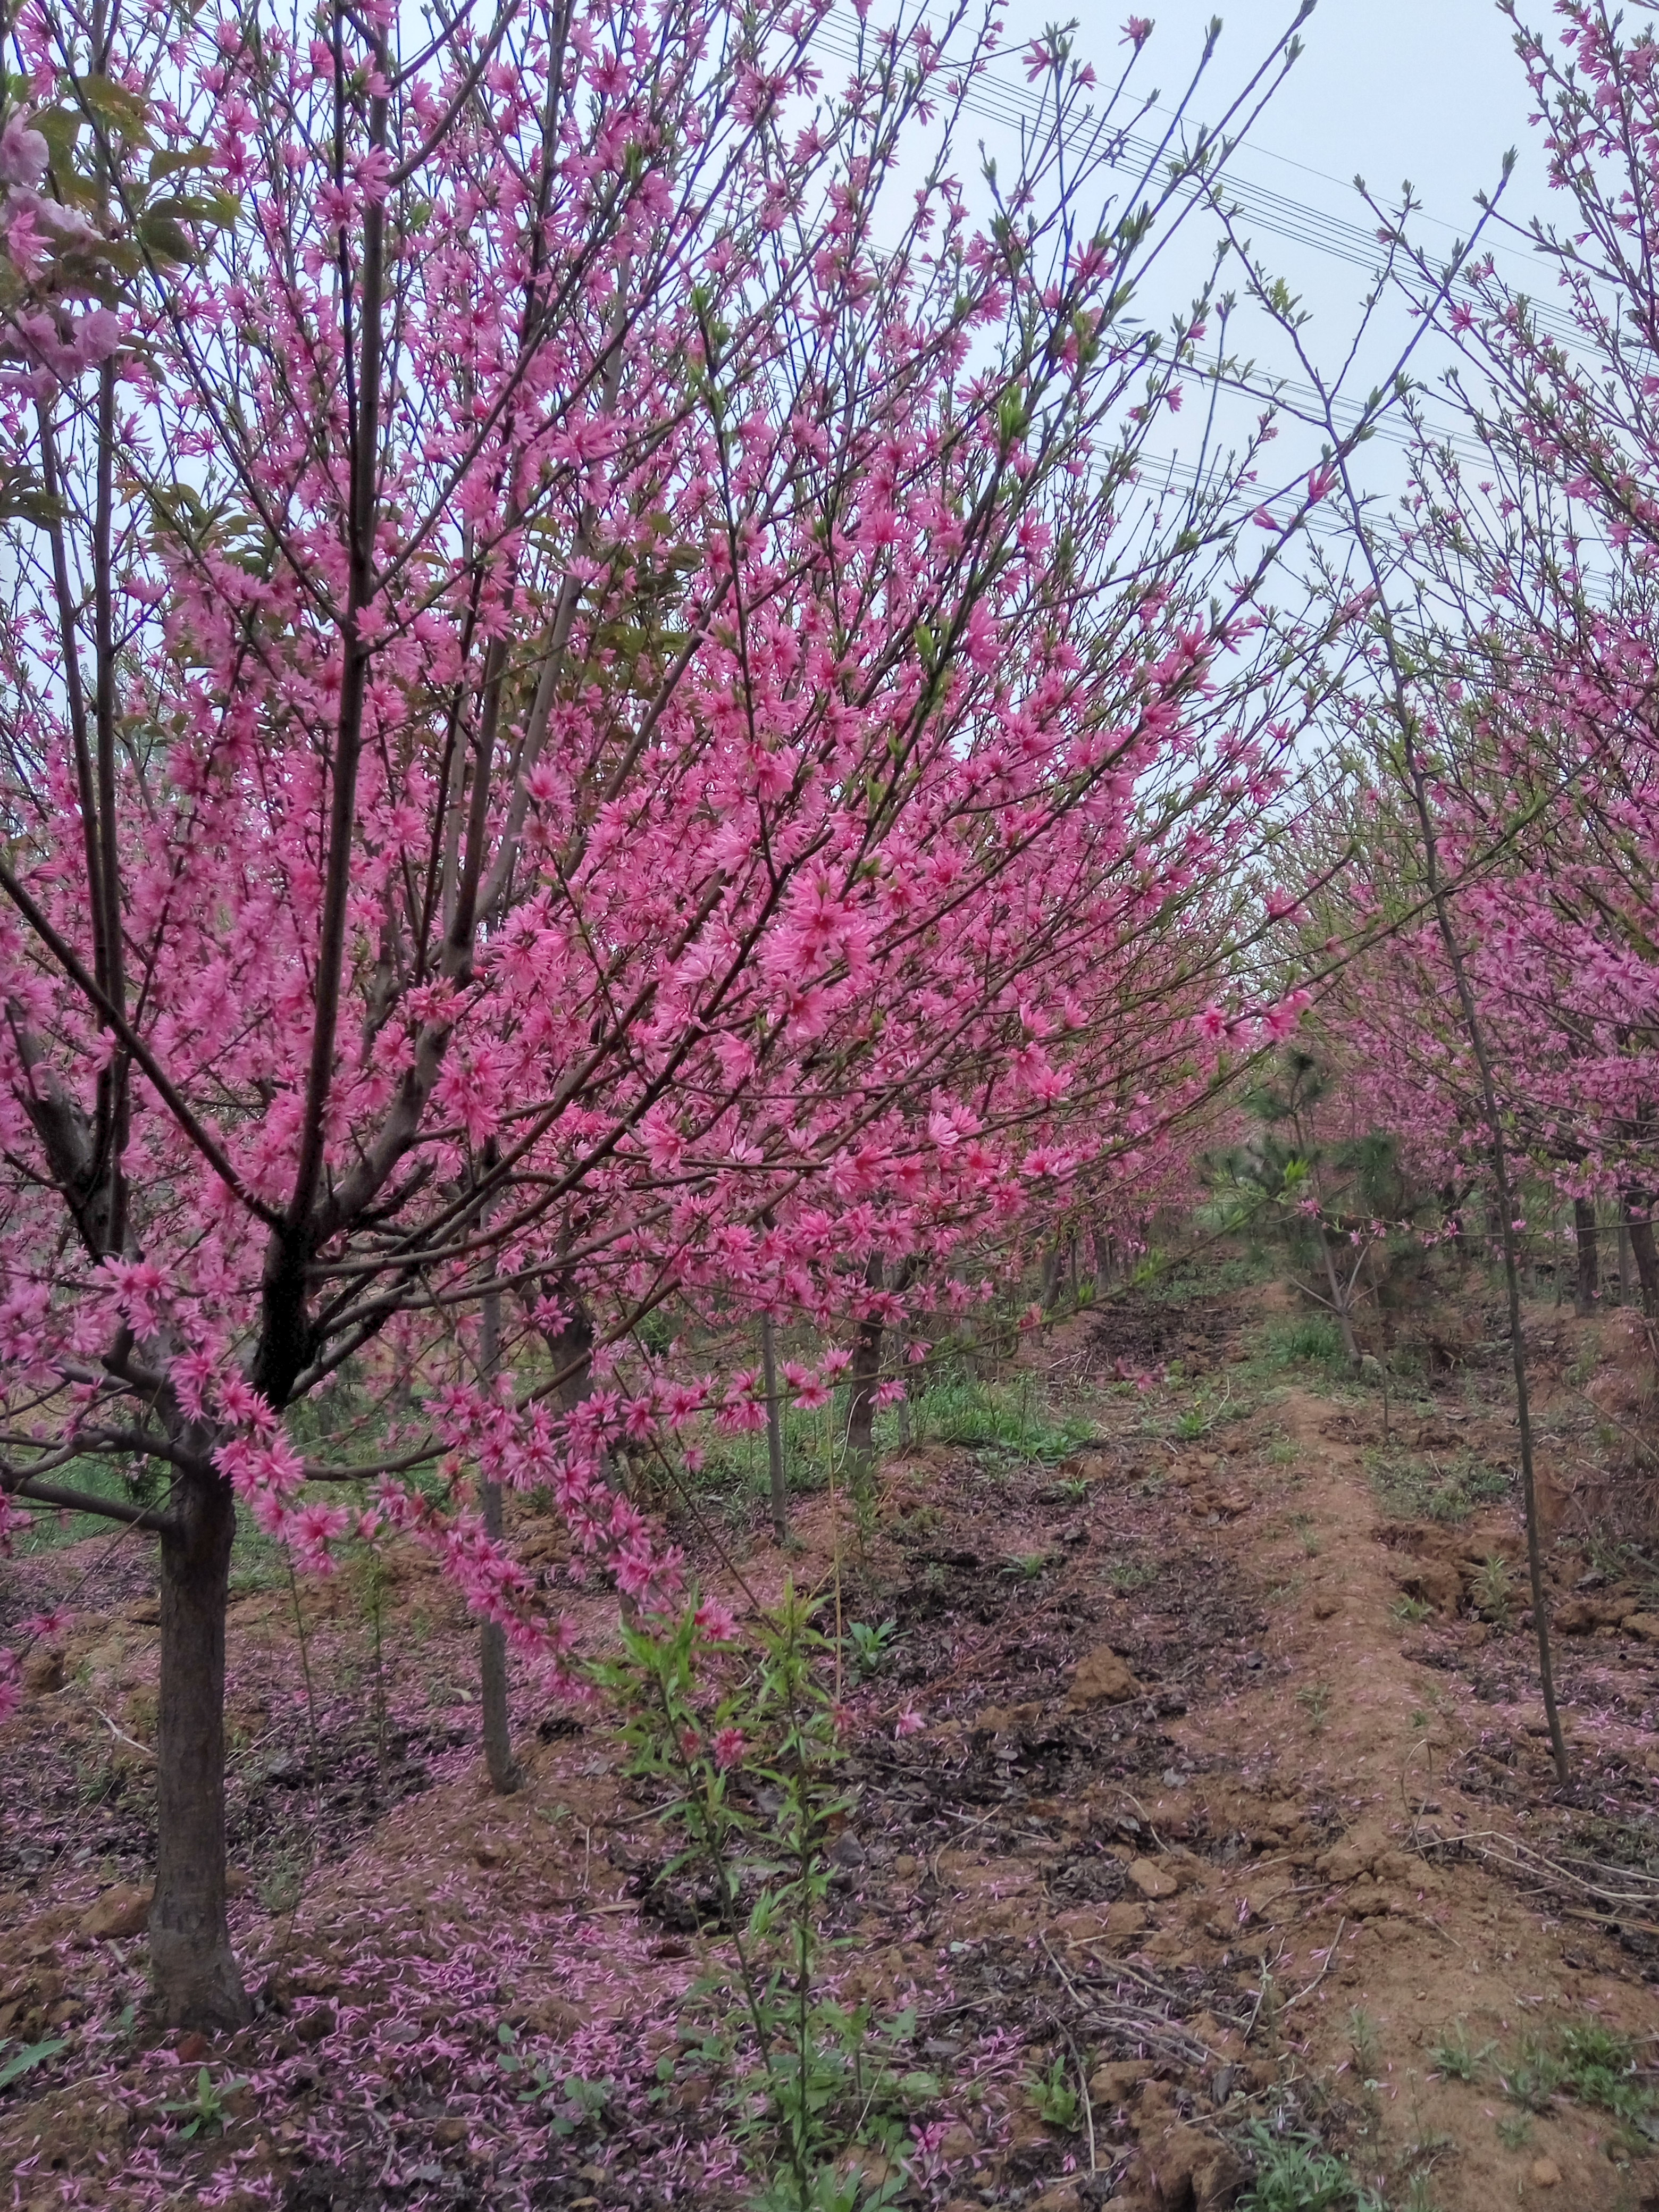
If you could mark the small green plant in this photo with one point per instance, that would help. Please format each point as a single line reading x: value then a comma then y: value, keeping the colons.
x: 1363, y: 2042
x: 1127, y: 1575
x: 27, y: 2058
x: 1493, y: 1592
x: 1294, y: 2172
x: 1514, y: 2130
x: 744, y: 1748
x: 581, y: 2103
x: 1316, y: 1339
x: 1411, y: 1610
x: 1025, y: 1566
x: 959, y: 1410
x: 204, y: 2114
x: 1598, y: 2068
x: 872, y: 1647
x: 1315, y: 1700
x: 1455, y: 2058
x: 1531, y: 2078
x: 1055, y: 2097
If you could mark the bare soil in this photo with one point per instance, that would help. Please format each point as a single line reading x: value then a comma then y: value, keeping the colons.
x: 1230, y: 1793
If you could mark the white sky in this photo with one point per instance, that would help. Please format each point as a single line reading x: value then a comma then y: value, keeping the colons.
x: 1428, y: 90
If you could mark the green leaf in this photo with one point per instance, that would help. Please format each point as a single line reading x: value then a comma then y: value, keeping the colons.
x: 169, y: 164
x: 164, y: 238
x: 125, y: 111
x: 28, y: 2057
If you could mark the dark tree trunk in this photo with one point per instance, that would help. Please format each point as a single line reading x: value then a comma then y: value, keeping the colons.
x: 775, y: 1430
x: 1643, y: 1251
x: 861, y: 1411
x: 197, y: 1984
x: 1587, y: 1286
x: 865, y: 1374
x: 1053, y: 1263
x: 1102, y: 1244
x: 504, y: 1774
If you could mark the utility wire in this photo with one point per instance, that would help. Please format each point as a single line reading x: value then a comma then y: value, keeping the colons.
x: 995, y: 99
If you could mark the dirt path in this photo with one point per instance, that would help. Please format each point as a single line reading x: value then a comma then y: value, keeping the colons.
x: 1386, y: 1947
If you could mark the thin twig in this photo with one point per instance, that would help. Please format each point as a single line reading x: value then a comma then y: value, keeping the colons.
x: 132, y: 1742
x: 1324, y: 1970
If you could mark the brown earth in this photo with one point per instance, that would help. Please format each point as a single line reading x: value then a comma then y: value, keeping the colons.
x: 1230, y: 1799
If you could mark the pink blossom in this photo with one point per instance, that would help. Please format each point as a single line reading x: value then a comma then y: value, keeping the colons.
x: 716, y: 1620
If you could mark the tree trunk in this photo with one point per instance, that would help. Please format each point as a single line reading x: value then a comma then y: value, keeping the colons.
x: 1587, y: 1289
x: 1338, y: 1301
x: 861, y: 1411
x: 1053, y: 1261
x: 775, y: 1430
x: 1643, y: 1250
x: 198, y: 1984
x: 865, y: 1375
x: 1625, y: 1270
x: 505, y: 1776
x: 1102, y: 1244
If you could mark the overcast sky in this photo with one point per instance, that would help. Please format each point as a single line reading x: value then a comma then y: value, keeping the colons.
x: 1428, y: 90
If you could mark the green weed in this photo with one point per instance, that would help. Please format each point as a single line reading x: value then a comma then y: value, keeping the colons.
x: 1411, y: 1485
x: 1055, y: 2097
x: 1294, y: 2172
x: 1315, y: 1700
x: 871, y: 1647
x: 204, y: 2114
x: 1455, y: 2058
x: 1493, y: 1592
x: 986, y: 1416
x: 1531, y: 2078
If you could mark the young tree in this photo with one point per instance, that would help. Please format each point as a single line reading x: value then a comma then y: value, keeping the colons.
x: 570, y: 663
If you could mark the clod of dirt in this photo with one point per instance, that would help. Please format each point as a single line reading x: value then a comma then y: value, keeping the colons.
x: 1583, y: 1616
x: 1645, y: 1625
x: 1544, y: 2174
x: 1113, y: 2085
x: 1152, y: 1880
x: 43, y: 1671
x: 1186, y: 2171
x: 119, y: 1913
x: 1101, y: 1678
x: 1432, y: 1582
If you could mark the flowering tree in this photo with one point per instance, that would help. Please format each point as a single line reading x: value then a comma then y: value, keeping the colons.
x: 1524, y: 624
x: 579, y: 691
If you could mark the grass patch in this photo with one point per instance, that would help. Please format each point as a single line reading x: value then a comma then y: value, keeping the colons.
x: 1455, y: 2058
x: 987, y: 1416
x: 1413, y: 1485
x: 1295, y: 2172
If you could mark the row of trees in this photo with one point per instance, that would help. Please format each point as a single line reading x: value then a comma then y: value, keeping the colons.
x: 1504, y: 746
x: 602, y: 714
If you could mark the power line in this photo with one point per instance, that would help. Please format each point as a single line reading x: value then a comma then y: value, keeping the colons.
x: 995, y: 99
